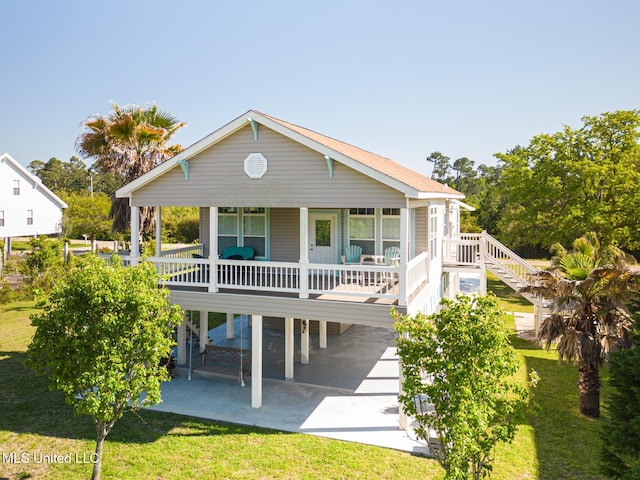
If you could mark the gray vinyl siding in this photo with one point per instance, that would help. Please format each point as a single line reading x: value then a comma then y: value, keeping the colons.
x: 204, y: 229
x: 285, y: 235
x: 311, y: 309
x: 296, y: 176
x: 422, y: 241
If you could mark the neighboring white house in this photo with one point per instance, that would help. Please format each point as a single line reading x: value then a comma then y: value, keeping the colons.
x: 282, y: 208
x: 27, y: 207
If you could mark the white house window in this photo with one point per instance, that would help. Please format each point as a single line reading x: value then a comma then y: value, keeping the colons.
x: 254, y: 229
x: 247, y: 224
x: 390, y: 228
x: 1, y: 218
x: 362, y: 229
x: 16, y: 187
x: 433, y: 231
x: 227, y: 227
x: 29, y: 217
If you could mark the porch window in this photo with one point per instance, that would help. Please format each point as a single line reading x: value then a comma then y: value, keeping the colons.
x: 433, y: 232
x: 362, y: 229
x: 242, y: 227
x: 390, y: 228
x: 227, y: 228
x: 254, y: 227
x: 29, y: 217
x: 16, y: 187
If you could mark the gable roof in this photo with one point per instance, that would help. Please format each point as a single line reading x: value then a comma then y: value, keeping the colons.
x: 35, y: 182
x: 411, y: 183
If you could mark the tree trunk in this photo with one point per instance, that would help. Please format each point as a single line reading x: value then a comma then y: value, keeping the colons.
x: 101, y: 435
x: 589, y: 390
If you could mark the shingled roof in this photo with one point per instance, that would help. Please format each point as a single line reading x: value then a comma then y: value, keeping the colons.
x: 413, y: 184
x: 377, y: 162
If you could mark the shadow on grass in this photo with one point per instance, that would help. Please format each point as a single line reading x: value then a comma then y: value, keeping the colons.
x: 506, y: 293
x: 567, y: 443
x: 27, y: 406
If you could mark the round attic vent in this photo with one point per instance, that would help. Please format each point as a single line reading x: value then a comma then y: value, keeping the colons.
x: 255, y: 165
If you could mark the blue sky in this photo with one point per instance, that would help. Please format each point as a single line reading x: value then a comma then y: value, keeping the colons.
x: 401, y: 78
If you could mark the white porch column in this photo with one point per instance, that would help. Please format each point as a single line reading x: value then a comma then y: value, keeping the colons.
x: 213, y: 249
x: 404, y: 255
x: 158, y: 231
x: 256, y: 361
x: 304, y: 252
x: 182, y: 341
x: 322, y: 325
x: 402, y: 416
x: 204, y: 329
x: 289, y: 348
x: 483, y: 263
x: 230, y: 326
x: 304, y: 341
x: 135, y: 235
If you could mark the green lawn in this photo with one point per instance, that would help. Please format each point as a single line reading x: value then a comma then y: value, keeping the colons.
x: 555, y: 442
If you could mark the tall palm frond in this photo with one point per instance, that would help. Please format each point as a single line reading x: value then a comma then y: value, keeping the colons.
x: 589, y: 317
x: 129, y: 141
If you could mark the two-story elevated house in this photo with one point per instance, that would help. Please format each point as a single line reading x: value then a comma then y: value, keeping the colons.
x: 298, y: 226
x: 27, y: 207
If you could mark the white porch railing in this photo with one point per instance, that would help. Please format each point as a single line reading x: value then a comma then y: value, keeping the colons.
x: 184, y: 252
x: 463, y: 249
x: 252, y: 275
x: 374, y: 281
x: 473, y: 249
x: 417, y: 272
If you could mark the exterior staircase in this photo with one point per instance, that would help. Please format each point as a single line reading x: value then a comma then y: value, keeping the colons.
x: 478, y: 250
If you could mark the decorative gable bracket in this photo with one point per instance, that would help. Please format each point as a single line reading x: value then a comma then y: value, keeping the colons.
x: 329, y: 165
x: 185, y: 168
x: 254, y: 127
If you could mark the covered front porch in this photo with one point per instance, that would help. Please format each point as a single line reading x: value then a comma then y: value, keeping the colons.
x: 301, y: 255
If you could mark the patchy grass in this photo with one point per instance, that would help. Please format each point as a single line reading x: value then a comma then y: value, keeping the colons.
x: 164, y: 446
x: 554, y: 442
x: 508, y: 299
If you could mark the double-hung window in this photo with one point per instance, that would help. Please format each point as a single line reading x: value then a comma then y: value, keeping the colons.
x: 390, y: 228
x: 254, y: 229
x: 362, y: 229
x: 227, y: 228
x: 1, y: 218
x: 243, y: 227
x: 16, y: 187
x: 29, y: 217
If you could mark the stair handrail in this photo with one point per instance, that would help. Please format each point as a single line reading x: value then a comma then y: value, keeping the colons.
x: 496, y: 253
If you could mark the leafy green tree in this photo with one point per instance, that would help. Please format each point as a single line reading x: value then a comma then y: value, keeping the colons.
x: 180, y: 224
x: 621, y: 430
x: 86, y: 215
x: 101, y: 342
x: 128, y: 142
x: 489, y: 199
x: 460, y: 360
x: 589, y: 288
x: 59, y: 176
x: 575, y: 181
x: 44, y: 264
x: 441, y: 166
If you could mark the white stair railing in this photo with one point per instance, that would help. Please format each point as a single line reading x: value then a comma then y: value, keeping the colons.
x: 506, y: 264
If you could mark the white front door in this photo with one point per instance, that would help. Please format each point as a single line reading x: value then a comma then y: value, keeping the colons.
x: 323, y: 238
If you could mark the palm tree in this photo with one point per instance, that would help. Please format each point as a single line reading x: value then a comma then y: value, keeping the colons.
x: 128, y: 142
x: 589, y: 288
